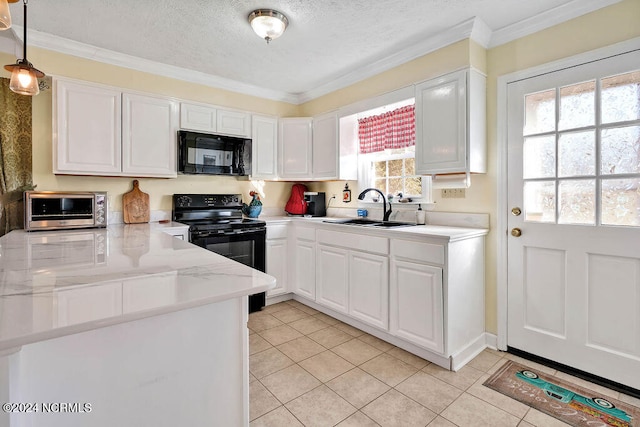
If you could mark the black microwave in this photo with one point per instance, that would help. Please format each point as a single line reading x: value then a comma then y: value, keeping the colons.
x: 200, y: 153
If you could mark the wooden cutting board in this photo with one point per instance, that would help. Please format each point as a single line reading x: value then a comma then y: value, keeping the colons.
x: 135, y: 205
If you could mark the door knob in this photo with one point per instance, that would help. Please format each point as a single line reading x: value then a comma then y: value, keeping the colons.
x: 516, y: 232
x: 516, y: 211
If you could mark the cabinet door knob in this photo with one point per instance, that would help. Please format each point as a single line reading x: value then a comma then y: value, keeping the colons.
x: 516, y: 211
x: 516, y: 232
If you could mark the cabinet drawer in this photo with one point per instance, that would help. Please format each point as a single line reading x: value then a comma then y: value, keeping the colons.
x: 418, y: 251
x: 359, y: 242
x: 306, y: 233
x: 277, y: 231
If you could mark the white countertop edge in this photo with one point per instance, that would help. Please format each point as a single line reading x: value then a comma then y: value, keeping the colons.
x: 442, y: 232
x: 13, y: 344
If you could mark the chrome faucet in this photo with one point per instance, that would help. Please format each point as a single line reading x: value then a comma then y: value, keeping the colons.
x: 385, y: 217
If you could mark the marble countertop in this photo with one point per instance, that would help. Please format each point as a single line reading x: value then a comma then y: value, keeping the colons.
x: 56, y: 283
x: 443, y: 232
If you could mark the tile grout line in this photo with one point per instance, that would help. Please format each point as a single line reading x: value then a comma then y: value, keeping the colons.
x: 336, y: 325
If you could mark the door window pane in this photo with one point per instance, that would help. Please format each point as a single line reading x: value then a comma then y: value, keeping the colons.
x: 539, y: 157
x: 621, y: 201
x: 620, y: 150
x: 540, y: 201
x: 577, y: 106
x: 577, y: 154
x: 621, y: 98
x: 540, y: 112
x: 577, y: 199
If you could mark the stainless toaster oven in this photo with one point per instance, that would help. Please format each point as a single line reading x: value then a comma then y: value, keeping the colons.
x: 55, y: 210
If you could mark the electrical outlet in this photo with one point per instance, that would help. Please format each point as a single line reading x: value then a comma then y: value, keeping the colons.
x: 451, y: 193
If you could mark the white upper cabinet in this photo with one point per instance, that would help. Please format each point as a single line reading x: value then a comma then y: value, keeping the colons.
x: 212, y: 119
x: 294, y: 148
x: 325, y: 147
x: 236, y: 123
x: 200, y: 118
x: 149, y: 127
x: 264, y: 147
x: 308, y: 148
x: 451, y: 124
x: 87, y: 125
x: 99, y: 130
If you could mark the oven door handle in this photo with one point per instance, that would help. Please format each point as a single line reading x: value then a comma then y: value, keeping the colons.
x: 242, y: 231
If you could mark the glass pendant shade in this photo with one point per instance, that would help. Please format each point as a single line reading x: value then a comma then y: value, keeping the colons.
x: 5, y: 15
x: 268, y: 24
x: 24, y: 79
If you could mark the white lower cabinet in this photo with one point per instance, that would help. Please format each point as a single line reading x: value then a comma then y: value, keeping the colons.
x: 304, y: 271
x: 422, y: 293
x: 352, y: 275
x: 277, y: 256
x: 416, y: 304
x: 368, y: 288
x: 332, y: 278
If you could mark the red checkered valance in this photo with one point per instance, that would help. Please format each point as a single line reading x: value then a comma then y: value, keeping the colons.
x: 394, y: 129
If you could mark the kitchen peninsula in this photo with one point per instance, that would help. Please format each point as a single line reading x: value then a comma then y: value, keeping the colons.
x: 122, y: 326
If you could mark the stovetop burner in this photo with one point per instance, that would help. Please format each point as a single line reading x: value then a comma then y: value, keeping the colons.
x: 219, y: 213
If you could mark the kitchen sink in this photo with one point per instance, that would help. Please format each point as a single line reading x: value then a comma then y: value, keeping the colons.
x: 370, y: 223
x: 389, y: 224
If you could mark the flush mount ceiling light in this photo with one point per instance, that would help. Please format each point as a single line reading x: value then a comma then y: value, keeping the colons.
x: 268, y: 24
x: 5, y: 14
x: 24, y: 77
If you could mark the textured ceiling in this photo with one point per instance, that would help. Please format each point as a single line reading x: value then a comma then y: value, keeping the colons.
x: 326, y: 39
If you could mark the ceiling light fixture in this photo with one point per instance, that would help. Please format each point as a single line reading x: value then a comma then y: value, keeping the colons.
x: 269, y: 24
x: 5, y: 14
x: 24, y: 77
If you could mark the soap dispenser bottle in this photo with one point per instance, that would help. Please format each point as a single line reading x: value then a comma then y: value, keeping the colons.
x: 421, y: 216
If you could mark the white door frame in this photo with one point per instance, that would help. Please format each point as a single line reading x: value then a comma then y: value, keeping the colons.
x: 503, y: 208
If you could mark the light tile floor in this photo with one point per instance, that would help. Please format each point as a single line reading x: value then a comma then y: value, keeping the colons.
x: 309, y: 369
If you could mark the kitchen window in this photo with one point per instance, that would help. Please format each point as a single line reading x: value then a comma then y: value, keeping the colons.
x: 386, y: 159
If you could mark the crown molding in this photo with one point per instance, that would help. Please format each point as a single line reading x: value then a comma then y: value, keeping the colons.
x: 83, y: 50
x: 467, y: 29
x: 462, y: 31
x: 10, y: 42
x: 474, y: 29
x: 547, y: 19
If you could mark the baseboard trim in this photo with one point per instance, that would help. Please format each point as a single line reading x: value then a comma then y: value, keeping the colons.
x: 467, y: 354
x: 278, y: 298
x: 491, y: 340
x: 442, y: 361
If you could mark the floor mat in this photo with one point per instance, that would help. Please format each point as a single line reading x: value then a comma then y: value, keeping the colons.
x: 568, y: 402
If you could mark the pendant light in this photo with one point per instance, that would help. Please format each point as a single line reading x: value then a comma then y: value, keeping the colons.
x: 5, y: 14
x: 24, y: 77
x: 268, y: 24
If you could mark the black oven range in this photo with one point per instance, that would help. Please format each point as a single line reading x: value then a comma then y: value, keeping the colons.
x: 215, y: 223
